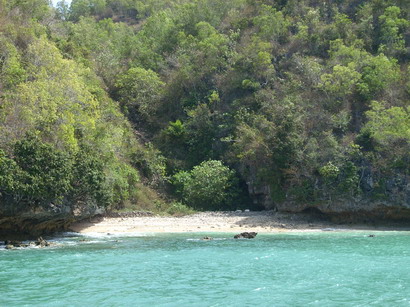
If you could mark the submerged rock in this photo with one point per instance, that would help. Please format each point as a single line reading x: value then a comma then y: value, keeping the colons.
x: 207, y: 238
x: 41, y: 242
x: 11, y: 244
x: 246, y: 235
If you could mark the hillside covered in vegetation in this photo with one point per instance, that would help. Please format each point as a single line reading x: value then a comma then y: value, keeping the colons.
x: 204, y: 103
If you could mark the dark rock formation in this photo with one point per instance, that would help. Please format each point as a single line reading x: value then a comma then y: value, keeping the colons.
x: 12, y: 242
x: 246, y: 235
x: 40, y: 242
x: 30, y: 223
x: 355, y: 210
x: 389, y: 202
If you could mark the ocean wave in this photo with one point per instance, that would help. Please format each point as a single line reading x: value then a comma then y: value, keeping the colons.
x: 106, y: 235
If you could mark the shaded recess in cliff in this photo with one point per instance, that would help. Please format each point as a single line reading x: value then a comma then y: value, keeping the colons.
x: 40, y: 221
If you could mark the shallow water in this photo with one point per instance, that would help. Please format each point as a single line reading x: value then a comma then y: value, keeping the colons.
x: 294, y: 269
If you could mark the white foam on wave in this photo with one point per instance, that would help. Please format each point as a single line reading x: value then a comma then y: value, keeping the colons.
x: 76, y: 238
x: 105, y: 235
x: 259, y: 289
x: 70, y: 234
x: 200, y: 240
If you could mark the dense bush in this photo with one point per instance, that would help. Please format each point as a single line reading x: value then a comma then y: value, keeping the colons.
x: 304, y: 99
x: 209, y: 185
x: 38, y: 174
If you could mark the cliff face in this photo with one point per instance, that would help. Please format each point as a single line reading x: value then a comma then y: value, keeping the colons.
x: 38, y: 221
x: 354, y: 210
x: 392, y: 204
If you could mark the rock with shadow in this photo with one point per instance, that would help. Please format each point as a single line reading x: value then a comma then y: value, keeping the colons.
x: 12, y: 244
x: 246, y: 235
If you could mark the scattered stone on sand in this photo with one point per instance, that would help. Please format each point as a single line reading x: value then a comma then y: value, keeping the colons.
x: 246, y: 235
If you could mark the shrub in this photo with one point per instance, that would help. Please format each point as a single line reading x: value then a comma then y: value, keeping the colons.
x: 89, y: 179
x: 179, y: 209
x: 44, y: 173
x: 208, y: 186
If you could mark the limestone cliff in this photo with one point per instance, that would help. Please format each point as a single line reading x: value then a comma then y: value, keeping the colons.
x: 390, y: 203
x: 36, y: 221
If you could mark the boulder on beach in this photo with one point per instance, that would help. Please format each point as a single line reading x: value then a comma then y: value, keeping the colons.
x: 246, y: 235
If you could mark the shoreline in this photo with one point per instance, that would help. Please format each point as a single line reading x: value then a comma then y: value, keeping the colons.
x: 224, y: 222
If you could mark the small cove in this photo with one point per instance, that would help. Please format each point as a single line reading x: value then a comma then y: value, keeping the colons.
x: 331, y: 268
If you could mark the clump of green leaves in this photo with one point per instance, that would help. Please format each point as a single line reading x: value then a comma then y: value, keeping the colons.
x: 38, y: 174
x: 179, y: 209
x: 209, y: 185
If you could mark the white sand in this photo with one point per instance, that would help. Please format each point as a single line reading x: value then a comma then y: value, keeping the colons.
x: 261, y: 222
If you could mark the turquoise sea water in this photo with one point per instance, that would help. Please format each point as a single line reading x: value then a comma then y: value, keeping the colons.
x: 294, y: 269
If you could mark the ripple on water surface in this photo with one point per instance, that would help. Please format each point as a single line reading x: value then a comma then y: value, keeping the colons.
x: 298, y: 269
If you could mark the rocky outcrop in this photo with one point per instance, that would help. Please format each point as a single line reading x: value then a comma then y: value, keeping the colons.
x: 261, y: 195
x: 12, y: 244
x: 34, y: 222
x: 246, y: 235
x: 374, y: 203
x: 353, y: 210
x: 41, y: 242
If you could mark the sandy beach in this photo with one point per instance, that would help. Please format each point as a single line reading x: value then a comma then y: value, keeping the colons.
x: 261, y: 222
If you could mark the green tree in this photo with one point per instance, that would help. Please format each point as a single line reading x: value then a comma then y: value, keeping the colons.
x: 45, y: 172
x: 273, y: 25
x: 89, y: 180
x: 208, y: 186
x: 11, y: 70
x: 387, y: 124
x: 391, y: 31
x: 139, y: 91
